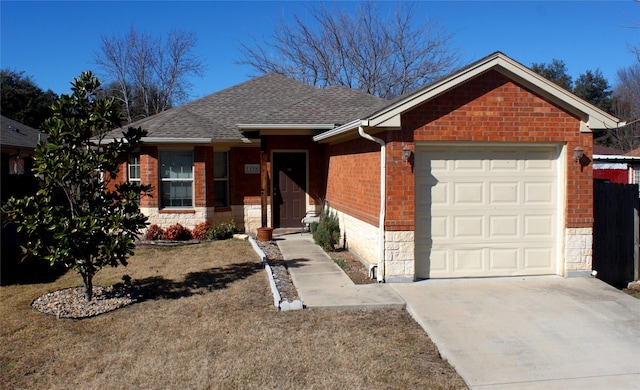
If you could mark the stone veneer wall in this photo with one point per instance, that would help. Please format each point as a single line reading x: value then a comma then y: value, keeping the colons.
x: 188, y: 218
x: 361, y: 237
x: 578, y: 255
x: 399, y: 254
x: 248, y: 217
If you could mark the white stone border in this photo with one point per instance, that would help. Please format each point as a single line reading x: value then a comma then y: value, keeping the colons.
x: 277, y: 299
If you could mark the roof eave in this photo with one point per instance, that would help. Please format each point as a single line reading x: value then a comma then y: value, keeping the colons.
x: 340, y: 130
x: 286, y: 126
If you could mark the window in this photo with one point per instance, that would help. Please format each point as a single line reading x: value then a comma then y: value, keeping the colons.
x: 221, y: 179
x: 134, y: 168
x: 133, y: 171
x: 176, y: 179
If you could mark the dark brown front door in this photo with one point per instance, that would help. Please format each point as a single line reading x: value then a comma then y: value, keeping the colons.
x: 289, y: 188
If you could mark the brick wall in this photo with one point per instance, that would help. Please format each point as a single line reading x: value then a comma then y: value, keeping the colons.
x: 353, y: 179
x: 243, y: 185
x: 490, y: 108
x: 203, y: 176
x: 149, y: 175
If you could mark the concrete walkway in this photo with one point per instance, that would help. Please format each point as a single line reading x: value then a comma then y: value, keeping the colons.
x: 321, y: 284
x: 519, y: 333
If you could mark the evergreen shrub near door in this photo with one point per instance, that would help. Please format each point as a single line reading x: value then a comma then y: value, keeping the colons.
x: 327, y: 233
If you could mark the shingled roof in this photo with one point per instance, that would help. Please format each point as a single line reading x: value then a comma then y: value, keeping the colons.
x: 17, y: 135
x: 270, y: 99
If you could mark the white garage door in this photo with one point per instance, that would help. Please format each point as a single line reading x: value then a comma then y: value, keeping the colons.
x: 486, y: 211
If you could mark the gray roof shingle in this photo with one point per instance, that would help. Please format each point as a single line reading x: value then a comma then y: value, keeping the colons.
x: 267, y: 99
x: 16, y: 134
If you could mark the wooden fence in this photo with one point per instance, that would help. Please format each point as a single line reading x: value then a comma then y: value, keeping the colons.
x: 615, y: 232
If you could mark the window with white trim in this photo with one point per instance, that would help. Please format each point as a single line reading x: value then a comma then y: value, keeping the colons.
x: 176, y: 178
x: 221, y: 179
x: 133, y: 168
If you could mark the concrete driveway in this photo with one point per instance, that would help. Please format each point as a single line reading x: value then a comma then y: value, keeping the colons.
x: 531, y: 333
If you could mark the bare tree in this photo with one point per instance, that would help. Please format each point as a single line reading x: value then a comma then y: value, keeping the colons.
x: 627, y: 107
x: 149, y: 74
x: 384, y: 57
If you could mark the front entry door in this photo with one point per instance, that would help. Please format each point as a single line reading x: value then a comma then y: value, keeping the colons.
x: 289, y: 188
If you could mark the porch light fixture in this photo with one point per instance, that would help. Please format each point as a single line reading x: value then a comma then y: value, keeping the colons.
x: 578, y: 152
x: 406, y: 154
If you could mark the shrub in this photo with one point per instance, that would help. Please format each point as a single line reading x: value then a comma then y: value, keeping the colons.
x: 154, y: 233
x: 223, y: 231
x: 327, y: 233
x: 201, y: 231
x: 177, y: 232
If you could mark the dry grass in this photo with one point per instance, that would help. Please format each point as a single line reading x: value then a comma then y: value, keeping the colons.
x: 209, y: 323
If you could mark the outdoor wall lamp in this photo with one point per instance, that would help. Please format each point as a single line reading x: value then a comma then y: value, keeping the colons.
x: 406, y: 154
x: 578, y: 152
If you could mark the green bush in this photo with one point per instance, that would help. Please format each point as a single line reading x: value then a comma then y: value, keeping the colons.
x: 327, y: 233
x: 223, y: 231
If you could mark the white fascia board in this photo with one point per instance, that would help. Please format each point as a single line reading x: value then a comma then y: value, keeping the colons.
x: 609, y: 165
x: 341, y: 129
x: 285, y: 126
x: 159, y: 140
x: 610, y: 157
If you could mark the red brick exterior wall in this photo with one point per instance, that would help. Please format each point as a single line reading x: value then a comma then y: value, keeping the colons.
x: 203, y: 170
x: 244, y: 189
x: 149, y: 175
x: 353, y: 179
x: 489, y: 108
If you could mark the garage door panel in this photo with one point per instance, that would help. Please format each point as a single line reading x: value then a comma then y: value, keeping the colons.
x: 539, y: 226
x: 468, y: 260
x: 504, y: 226
x: 504, y: 193
x: 468, y: 193
x: 468, y: 165
x: 495, y: 213
x: 541, y: 193
x: 468, y: 227
x: 440, y: 194
x: 503, y: 259
x: 538, y: 259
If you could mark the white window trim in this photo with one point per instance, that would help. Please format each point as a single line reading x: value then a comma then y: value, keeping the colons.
x: 163, y: 180
x: 224, y: 179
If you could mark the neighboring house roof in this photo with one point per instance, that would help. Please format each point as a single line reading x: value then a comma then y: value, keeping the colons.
x: 604, y: 150
x: 17, y: 135
x: 591, y: 116
x: 634, y: 153
x: 270, y: 100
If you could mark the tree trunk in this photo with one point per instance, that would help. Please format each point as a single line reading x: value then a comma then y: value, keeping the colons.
x: 87, y: 280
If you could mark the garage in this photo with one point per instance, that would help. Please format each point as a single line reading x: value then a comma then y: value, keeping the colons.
x: 486, y: 210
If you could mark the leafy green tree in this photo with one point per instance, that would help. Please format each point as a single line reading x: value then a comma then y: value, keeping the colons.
x: 22, y: 100
x: 80, y: 216
x: 556, y: 71
x: 594, y: 88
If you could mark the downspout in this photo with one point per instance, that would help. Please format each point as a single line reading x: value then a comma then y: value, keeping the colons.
x: 383, y: 196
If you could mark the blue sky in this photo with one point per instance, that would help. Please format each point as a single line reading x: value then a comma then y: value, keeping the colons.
x: 54, y: 41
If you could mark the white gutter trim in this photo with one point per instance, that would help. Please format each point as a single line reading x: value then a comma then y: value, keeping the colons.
x: 380, y: 273
x: 287, y: 126
x: 158, y: 140
x: 615, y: 157
x: 341, y: 129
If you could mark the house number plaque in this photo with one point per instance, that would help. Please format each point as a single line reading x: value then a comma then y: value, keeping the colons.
x: 252, y: 169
